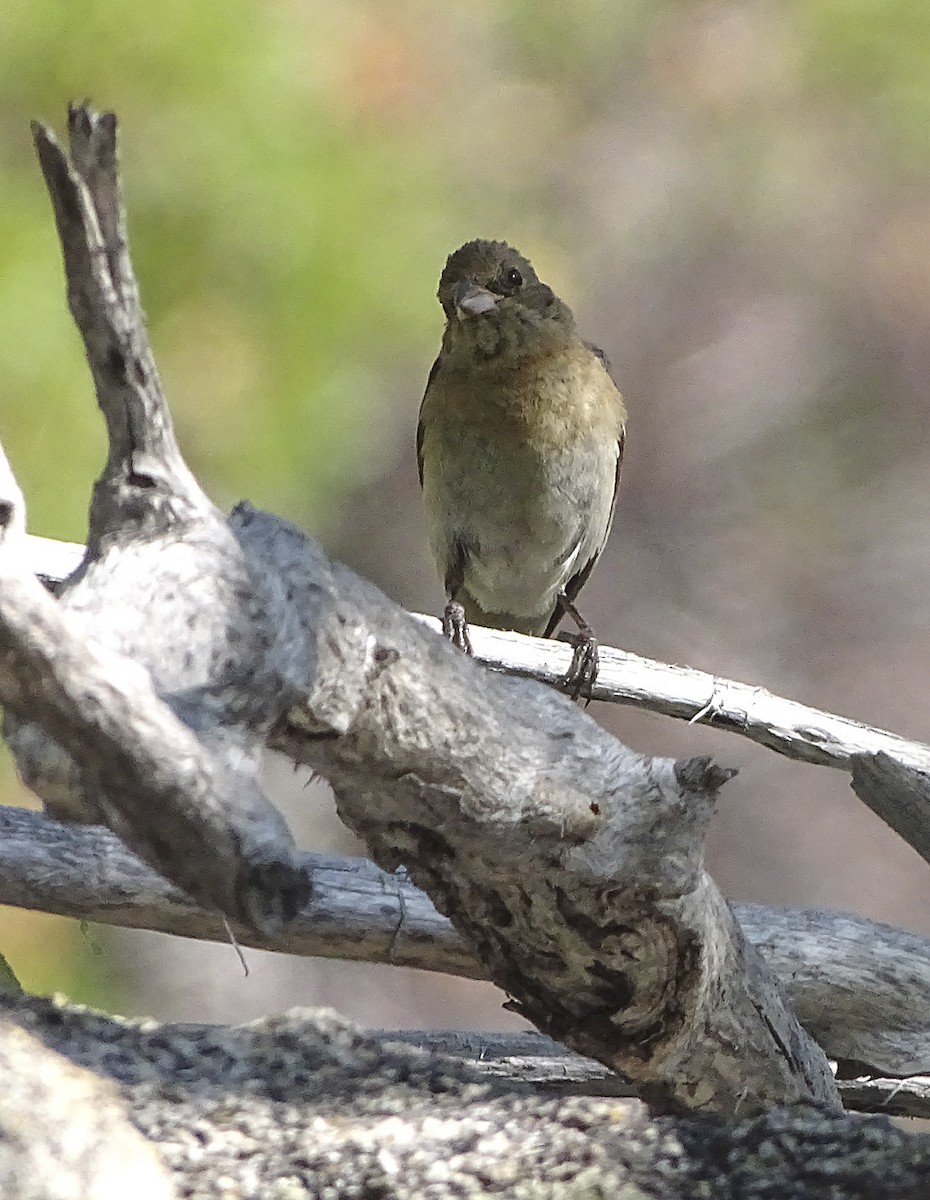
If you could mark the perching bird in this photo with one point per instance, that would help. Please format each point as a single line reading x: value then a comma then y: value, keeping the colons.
x: 519, y: 446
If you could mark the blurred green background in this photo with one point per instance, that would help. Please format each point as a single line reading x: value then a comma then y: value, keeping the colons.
x: 735, y: 197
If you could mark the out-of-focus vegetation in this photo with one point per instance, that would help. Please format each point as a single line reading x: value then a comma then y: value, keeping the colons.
x: 734, y: 196
x: 284, y: 213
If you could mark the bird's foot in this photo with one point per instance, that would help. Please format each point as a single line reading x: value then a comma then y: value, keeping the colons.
x: 455, y: 627
x: 582, y: 671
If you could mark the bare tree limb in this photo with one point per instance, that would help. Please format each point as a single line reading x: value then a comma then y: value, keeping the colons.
x: 560, y: 855
x: 303, y: 1104
x: 189, y: 804
x: 860, y: 989
x: 795, y: 730
x: 146, y: 484
x: 355, y: 911
x: 888, y: 772
x: 785, y: 726
x: 891, y: 1097
x: 152, y: 780
x: 590, y: 821
x: 572, y: 866
x: 534, y: 1059
x: 899, y: 794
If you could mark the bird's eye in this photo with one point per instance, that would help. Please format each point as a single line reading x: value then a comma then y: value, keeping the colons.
x: 513, y: 278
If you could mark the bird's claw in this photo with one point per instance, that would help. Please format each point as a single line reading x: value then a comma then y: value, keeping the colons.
x: 582, y: 671
x: 455, y: 627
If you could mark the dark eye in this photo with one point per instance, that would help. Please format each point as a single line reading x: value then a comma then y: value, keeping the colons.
x: 513, y: 278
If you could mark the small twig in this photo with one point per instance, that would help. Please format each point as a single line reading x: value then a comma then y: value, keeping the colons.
x: 233, y: 941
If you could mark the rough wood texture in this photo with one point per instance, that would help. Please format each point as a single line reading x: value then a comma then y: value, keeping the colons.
x: 860, y: 989
x: 534, y: 1059
x: 899, y: 793
x: 159, y: 607
x: 304, y: 1106
x: 355, y: 911
x: 889, y: 772
x: 184, y: 810
x: 785, y: 726
x: 573, y: 866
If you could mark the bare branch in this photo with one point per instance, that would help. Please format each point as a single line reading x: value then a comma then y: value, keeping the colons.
x: 355, y: 912
x: 573, y: 866
x: 534, y: 1059
x: 792, y: 729
x: 189, y: 802
x: 563, y: 857
x: 199, y: 822
x: 795, y: 730
x: 891, y: 1097
x: 861, y: 989
x: 305, y: 1104
x: 146, y: 483
x: 899, y: 794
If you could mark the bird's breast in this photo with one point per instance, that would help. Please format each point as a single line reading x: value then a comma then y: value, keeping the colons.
x: 519, y: 469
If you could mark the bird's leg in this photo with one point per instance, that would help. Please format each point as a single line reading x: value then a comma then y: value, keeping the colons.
x: 582, y: 671
x: 455, y: 627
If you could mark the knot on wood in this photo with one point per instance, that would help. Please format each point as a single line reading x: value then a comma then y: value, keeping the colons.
x: 703, y: 774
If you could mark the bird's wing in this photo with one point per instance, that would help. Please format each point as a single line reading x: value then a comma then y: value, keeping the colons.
x: 580, y: 578
x: 432, y: 375
x: 599, y: 353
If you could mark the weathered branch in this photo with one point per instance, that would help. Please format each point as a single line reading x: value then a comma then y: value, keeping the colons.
x: 306, y: 1105
x: 355, y: 911
x: 588, y: 819
x: 860, y: 989
x: 204, y: 826
x: 898, y: 793
x: 146, y: 485
x: 563, y: 857
x: 795, y: 730
x: 792, y: 729
x: 888, y: 772
x: 532, y: 1058
x: 189, y: 803
x: 572, y: 866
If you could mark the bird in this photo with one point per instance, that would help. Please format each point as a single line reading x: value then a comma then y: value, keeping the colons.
x: 520, y: 444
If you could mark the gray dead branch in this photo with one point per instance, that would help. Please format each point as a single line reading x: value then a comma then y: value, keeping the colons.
x: 572, y: 866
x: 566, y: 867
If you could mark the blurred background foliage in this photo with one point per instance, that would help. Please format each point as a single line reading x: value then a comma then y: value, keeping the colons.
x: 735, y: 197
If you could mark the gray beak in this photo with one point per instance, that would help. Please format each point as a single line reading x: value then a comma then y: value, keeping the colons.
x: 471, y: 300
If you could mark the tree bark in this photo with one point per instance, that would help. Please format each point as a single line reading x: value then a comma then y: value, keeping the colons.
x: 571, y: 865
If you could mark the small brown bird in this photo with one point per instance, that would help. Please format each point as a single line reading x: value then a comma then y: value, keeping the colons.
x: 519, y: 446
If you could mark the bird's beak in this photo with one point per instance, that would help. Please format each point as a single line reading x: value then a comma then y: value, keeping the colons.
x: 471, y: 300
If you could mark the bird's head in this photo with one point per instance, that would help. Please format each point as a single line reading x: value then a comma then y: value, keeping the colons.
x: 495, y: 303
